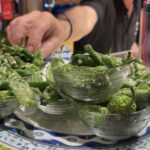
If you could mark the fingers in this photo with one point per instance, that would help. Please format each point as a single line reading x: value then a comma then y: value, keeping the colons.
x: 38, y: 31
x: 20, y: 26
x: 135, y: 50
x: 35, y: 36
x: 16, y: 31
x: 9, y: 34
x: 35, y: 26
x: 43, y: 30
x: 49, y: 46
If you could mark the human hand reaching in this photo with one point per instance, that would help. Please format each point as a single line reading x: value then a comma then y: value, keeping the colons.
x: 44, y: 31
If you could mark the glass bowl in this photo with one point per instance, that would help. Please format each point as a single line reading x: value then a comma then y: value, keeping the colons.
x: 57, y: 107
x: 86, y: 84
x: 7, y: 107
x: 114, y: 127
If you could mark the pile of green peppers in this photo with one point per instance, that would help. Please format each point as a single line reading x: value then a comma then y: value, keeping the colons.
x: 133, y: 96
x: 21, y: 77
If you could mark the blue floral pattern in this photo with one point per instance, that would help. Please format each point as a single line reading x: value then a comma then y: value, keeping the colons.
x: 21, y: 135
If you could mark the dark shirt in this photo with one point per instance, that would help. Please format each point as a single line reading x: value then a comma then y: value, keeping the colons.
x: 113, y: 30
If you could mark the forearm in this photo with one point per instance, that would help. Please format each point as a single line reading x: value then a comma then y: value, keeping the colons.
x: 50, y: 32
x: 83, y: 20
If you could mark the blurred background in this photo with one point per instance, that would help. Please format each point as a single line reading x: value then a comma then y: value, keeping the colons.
x: 9, y: 9
x: 12, y: 8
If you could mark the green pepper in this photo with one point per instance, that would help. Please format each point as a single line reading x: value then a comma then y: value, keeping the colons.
x: 38, y: 59
x: 21, y: 89
x: 94, y: 55
x: 6, y: 95
x: 82, y: 60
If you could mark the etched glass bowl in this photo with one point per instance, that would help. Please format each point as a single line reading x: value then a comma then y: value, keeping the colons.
x: 85, y: 85
x: 56, y: 107
x: 7, y: 107
x: 114, y: 126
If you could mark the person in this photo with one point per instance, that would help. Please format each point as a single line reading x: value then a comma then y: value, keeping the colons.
x: 105, y: 24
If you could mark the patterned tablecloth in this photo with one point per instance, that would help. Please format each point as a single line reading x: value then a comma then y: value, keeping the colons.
x: 19, y: 134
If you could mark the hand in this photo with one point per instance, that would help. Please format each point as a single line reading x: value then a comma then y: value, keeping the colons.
x: 135, y: 50
x: 44, y: 31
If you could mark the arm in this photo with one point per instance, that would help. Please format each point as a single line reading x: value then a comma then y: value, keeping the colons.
x: 46, y: 32
x: 135, y: 50
x: 83, y: 19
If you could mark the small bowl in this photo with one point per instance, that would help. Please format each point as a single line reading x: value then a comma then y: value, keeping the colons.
x: 7, y: 107
x: 86, y: 85
x: 57, y: 107
x: 115, y: 127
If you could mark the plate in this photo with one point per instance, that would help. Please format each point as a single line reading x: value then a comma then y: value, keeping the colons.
x: 62, y: 132
x: 35, y: 130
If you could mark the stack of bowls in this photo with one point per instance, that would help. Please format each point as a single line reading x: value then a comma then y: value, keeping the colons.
x: 81, y: 87
x: 58, y: 107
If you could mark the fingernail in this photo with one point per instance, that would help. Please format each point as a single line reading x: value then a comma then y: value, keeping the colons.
x: 30, y: 48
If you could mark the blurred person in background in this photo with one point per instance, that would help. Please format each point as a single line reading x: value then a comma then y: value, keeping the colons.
x: 105, y: 24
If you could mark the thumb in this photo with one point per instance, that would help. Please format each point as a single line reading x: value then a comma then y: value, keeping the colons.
x: 50, y: 46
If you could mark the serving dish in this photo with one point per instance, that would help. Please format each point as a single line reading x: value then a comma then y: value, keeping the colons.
x: 48, y: 131
x: 111, y: 126
x: 70, y: 132
x: 7, y: 107
x: 56, y: 107
x: 90, y: 86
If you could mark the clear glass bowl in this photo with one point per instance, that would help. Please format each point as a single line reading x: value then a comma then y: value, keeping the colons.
x: 7, y: 107
x: 85, y: 85
x: 115, y: 127
x: 57, y: 107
